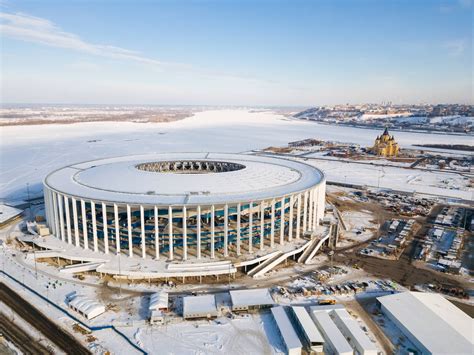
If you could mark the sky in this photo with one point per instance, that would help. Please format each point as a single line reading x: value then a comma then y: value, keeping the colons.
x: 230, y: 52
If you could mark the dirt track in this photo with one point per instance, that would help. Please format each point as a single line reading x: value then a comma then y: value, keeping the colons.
x: 38, y: 320
x: 402, y: 270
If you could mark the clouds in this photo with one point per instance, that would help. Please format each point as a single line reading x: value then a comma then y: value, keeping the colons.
x: 38, y: 30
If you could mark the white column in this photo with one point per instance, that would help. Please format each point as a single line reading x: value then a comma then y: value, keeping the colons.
x: 49, y: 208
x: 272, y: 227
x: 157, y: 235
x: 282, y: 220
x: 105, y: 228
x: 85, y: 235
x: 238, y: 228
x: 94, y: 226
x: 185, y: 234
x: 68, y: 220
x: 142, y: 224
x: 46, y: 206
x: 321, y: 200
x: 117, y: 228
x: 198, y: 227
x: 305, y: 210
x: 129, y: 225
x: 56, y: 216
x: 315, y: 208
x: 226, y: 230
x: 250, y: 227
x: 213, y: 211
x: 298, y: 217
x: 61, y: 216
x: 290, y: 220
x: 310, y: 211
x: 262, y: 224
x: 170, y: 231
x: 76, y: 222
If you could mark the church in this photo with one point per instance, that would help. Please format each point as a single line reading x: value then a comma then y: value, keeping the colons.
x: 385, y: 145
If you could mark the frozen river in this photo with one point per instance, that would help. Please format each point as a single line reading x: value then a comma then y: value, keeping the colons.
x: 28, y: 153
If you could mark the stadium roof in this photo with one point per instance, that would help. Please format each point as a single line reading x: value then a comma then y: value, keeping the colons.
x: 436, y: 323
x: 120, y: 180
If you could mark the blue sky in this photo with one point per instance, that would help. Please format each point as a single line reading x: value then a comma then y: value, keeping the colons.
x: 227, y: 52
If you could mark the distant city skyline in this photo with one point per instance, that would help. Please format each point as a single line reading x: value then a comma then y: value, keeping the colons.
x: 241, y: 53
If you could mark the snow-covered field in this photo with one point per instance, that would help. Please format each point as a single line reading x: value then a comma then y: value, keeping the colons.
x: 246, y: 334
x: 426, y: 182
x: 28, y: 153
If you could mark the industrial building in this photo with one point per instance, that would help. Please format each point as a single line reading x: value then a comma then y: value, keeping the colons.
x: 246, y: 300
x: 335, y: 342
x: 313, y: 339
x: 432, y: 323
x: 353, y: 332
x: 184, y: 207
x: 199, y: 307
x: 287, y: 332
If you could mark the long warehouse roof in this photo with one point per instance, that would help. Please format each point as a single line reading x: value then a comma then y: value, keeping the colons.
x: 436, y: 323
x: 130, y: 179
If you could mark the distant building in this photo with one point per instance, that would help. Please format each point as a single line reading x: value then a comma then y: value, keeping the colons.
x: 385, y: 145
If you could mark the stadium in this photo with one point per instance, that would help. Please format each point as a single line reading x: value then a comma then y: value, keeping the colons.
x: 181, y: 207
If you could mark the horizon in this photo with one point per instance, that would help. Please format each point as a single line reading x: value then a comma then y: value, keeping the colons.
x: 236, y: 53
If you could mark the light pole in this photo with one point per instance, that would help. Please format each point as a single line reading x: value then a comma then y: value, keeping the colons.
x: 36, y: 267
x: 28, y: 197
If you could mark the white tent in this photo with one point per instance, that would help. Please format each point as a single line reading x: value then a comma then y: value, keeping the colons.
x: 87, y: 307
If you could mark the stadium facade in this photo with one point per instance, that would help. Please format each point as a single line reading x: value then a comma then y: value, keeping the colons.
x: 182, y: 206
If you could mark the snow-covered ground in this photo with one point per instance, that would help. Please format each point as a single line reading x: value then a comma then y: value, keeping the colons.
x: 246, y: 334
x: 28, y: 153
x: 397, y: 178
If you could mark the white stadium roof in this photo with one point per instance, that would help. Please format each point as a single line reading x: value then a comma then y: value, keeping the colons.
x: 438, y: 325
x: 119, y: 180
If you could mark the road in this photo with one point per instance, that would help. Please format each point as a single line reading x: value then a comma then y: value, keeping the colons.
x: 38, y: 320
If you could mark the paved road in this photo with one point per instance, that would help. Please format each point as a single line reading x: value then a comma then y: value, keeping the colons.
x: 38, y: 320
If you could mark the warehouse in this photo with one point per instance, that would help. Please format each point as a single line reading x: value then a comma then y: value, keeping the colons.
x: 432, y: 323
x: 308, y: 330
x: 353, y: 332
x: 183, y: 207
x: 246, y: 300
x: 335, y: 342
x: 199, y: 307
x: 287, y: 332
